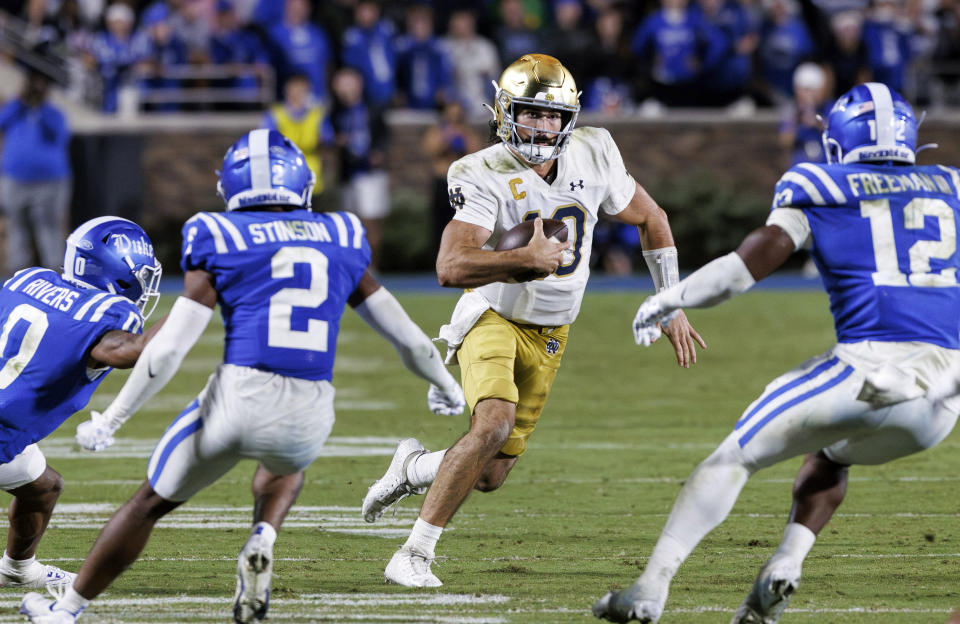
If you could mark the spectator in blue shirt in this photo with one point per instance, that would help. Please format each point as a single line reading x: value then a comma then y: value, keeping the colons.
x: 267, y: 13
x: 301, y: 47
x: 730, y: 78
x: 191, y: 22
x: 112, y: 53
x: 369, y: 48
x: 158, y: 49
x: 34, y: 175
x: 424, y: 74
x: 232, y: 45
x: 683, y: 48
x: 887, y: 38
x: 785, y: 42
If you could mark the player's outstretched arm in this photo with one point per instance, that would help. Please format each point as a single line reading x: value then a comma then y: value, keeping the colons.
x: 463, y: 263
x: 158, y: 362
x: 381, y: 311
x: 760, y: 253
x: 660, y: 254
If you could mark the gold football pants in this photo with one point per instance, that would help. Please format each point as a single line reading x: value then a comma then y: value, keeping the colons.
x: 500, y: 359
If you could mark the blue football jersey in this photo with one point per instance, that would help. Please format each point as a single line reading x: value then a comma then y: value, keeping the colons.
x: 282, y: 280
x: 49, y: 328
x: 884, y: 238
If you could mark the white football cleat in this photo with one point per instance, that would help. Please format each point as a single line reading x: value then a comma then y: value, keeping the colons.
x: 393, y: 486
x: 768, y: 599
x: 410, y: 568
x: 254, y: 567
x: 635, y: 603
x: 39, y: 576
x: 40, y: 610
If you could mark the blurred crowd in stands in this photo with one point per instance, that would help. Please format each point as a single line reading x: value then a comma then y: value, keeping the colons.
x: 627, y: 56
x: 324, y: 72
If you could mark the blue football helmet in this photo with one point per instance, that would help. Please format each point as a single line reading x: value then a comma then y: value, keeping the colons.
x: 871, y: 123
x: 115, y: 255
x: 265, y: 168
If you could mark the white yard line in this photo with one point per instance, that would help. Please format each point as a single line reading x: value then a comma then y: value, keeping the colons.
x: 323, y: 606
x: 141, y: 448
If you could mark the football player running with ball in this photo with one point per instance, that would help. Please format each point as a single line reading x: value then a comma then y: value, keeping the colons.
x: 509, y: 337
x: 61, y: 334
x: 884, y: 235
x: 282, y: 276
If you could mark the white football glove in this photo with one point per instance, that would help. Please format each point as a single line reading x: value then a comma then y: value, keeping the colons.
x: 95, y: 434
x: 446, y: 403
x: 647, y: 322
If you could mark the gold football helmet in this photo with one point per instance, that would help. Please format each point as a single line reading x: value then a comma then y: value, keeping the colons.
x: 541, y: 81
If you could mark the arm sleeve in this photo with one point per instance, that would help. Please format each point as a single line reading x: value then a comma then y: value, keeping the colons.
x: 383, y: 313
x: 160, y: 359
x: 713, y: 283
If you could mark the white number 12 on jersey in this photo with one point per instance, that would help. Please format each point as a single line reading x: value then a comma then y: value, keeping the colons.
x: 279, y: 332
x: 884, y: 246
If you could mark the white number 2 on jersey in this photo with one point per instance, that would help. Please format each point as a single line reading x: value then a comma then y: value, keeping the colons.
x: 885, y: 250
x: 37, y: 327
x: 279, y: 332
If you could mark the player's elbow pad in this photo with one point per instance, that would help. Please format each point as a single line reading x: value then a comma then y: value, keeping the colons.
x: 713, y: 283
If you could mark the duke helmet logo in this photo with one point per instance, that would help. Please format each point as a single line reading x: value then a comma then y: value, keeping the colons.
x: 575, y: 185
x: 553, y: 345
x: 457, y: 200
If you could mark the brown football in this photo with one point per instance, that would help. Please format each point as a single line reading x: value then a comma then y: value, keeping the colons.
x: 520, y: 235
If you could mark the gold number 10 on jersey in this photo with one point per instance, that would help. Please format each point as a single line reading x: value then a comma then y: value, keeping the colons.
x: 575, y: 216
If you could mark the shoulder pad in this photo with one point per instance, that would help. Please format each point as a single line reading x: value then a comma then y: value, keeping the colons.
x: 216, y: 227
x: 348, y: 231
x: 113, y: 311
x: 808, y: 185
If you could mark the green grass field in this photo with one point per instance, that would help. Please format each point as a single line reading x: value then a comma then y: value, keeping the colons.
x: 578, y: 515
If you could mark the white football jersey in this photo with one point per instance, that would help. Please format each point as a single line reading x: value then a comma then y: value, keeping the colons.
x: 496, y: 190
